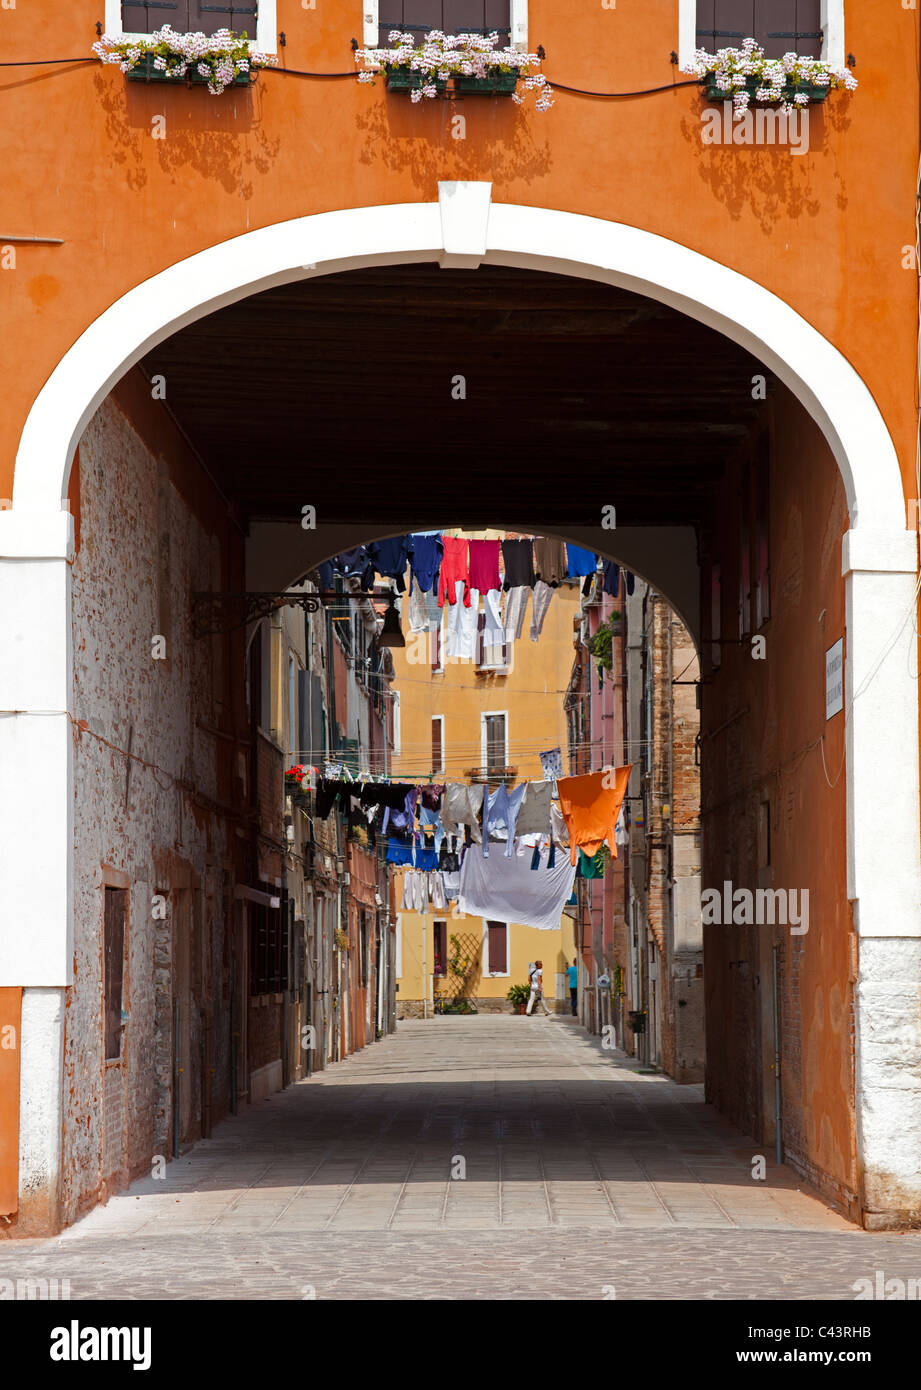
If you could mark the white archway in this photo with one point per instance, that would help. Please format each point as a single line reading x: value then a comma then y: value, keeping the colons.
x: 464, y: 229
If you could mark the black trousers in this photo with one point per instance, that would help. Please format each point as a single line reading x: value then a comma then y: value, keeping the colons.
x: 574, y: 996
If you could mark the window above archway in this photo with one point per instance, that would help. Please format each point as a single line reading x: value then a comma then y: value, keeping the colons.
x: 508, y: 18
x: 135, y: 17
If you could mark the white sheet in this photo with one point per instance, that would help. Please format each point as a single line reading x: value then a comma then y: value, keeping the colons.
x: 509, y: 890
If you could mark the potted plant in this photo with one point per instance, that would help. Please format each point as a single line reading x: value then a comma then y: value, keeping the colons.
x: 743, y: 75
x: 474, y: 63
x: 518, y: 996
x: 217, y: 61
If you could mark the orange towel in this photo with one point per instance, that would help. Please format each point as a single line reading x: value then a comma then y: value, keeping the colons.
x: 590, y: 808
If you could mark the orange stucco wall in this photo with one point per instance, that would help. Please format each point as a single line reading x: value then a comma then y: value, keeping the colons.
x: 824, y: 231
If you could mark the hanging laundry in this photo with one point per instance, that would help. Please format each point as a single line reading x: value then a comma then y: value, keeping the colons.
x: 425, y: 859
x: 534, y: 816
x: 460, y: 638
x: 430, y: 795
x: 462, y: 806
x: 424, y: 613
x: 580, y: 561
x: 516, y: 604
x: 611, y: 582
x: 455, y: 570
x: 540, y: 603
x: 558, y: 827
x: 448, y: 861
x: 590, y: 807
x: 518, y: 558
x: 590, y: 867
x: 630, y: 580
x: 329, y: 791
x: 326, y: 576
x: 550, y: 560
x: 355, y: 563
x: 436, y: 892
x: 392, y: 794
x: 399, y: 851
x: 390, y: 558
x: 403, y: 818
x: 505, y: 890
x: 552, y: 764
x: 484, y: 566
x: 451, y: 882
x: 501, y: 813
x: 425, y: 560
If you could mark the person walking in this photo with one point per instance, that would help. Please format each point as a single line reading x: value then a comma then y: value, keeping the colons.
x: 573, y: 973
x: 537, y: 988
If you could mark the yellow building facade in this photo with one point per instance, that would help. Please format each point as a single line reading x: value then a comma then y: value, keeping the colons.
x: 461, y: 720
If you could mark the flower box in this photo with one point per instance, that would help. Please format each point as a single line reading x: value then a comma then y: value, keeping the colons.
x: 144, y: 71
x: 498, y: 83
x: 814, y: 91
x: 406, y: 80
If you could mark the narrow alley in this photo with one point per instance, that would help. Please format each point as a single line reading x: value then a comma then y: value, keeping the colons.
x: 480, y: 1157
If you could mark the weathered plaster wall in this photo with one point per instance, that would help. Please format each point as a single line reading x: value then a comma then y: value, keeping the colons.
x: 143, y: 825
x: 762, y: 724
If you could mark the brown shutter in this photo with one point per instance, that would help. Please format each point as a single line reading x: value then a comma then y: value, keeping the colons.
x: 238, y: 15
x: 437, y: 745
x: 114, y: 935
x: 727, y: 23
x: 778, y: 25
x: 496, y: 933
x: 785, y: 25
x: 144, y: 16
x: 440, y: 953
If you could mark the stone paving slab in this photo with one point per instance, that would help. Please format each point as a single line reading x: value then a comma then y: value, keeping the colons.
x: 578, y: 1173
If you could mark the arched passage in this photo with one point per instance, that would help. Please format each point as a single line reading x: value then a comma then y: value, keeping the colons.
x: 463, y: 230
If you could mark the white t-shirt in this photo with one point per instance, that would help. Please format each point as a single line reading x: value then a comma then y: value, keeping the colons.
x: 536, y: 978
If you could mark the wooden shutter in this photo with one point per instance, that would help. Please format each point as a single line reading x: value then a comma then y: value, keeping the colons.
x: 437, y: 743
x: 496, y: 937
x: 451, y: 16
x: 238, y: 15
x: 440, y: 952
x: 144, y: 16
x: 114, y: 935
x: 785, y: 25
x: 778, y: 25
x: 495, y: 740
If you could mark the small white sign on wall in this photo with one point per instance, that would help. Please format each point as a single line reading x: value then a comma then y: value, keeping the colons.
x: 834, y: 679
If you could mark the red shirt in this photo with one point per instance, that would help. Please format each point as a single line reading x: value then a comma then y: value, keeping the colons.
x: 455, y: 565
x: 484, y: 565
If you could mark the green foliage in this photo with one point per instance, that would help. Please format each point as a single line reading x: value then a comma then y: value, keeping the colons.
x: 518, y: 994
x: 601, y: 644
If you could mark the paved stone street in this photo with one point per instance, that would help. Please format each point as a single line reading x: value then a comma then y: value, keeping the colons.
x: 577, y: 1177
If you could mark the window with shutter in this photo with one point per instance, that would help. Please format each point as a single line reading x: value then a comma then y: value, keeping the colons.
x: 418, y: 17
x: 495, y: 738
x: 779, y: 26
x: 189, y: 16
x: 490, y: 656
x: 497, y: 947
x: 438, y: 725
x: 116, y: 905
x: 440, y: 952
